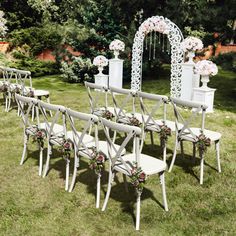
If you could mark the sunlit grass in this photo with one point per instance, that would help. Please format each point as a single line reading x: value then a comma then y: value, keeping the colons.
x: 31, y: 205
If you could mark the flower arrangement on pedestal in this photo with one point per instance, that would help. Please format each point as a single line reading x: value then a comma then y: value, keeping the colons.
x: 190, y: 45
x: 116, y: 46
x: 206, y: 68
x: 100, y: 61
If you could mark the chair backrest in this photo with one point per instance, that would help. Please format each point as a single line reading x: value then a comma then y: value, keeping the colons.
x: 25, y: 113
x: 149, y: 111
x: 98, y: 97
x: 131, y: 132
x: 85, y: 121
x: 189, y: 119
x: 9, y: 75
x: 24, y: 79
x: 57, y: 116
x: 122, y: 103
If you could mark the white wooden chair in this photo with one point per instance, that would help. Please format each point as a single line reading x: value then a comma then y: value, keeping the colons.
x: 153, y: 108
x: 126, y: 164
x: 98, y: 99
x: 193, y: 134
x: 56, y: 131
x: 26, y: 105
x: 84, y: 146
x: 124, y: 102
x: 24, y: 80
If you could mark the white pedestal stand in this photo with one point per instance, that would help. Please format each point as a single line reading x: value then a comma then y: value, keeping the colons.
x: 205, y: 95
x: 116, y: 73
x: 101, y: 79
x: 187, y: 80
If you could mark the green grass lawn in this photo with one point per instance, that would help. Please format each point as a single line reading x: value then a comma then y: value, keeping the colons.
x: 31, y: 205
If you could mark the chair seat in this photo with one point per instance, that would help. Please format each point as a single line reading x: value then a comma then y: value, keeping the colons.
x: 103, y: 147
x: 57, y: 129
x: 87, y: 138
x: 100, y: 111
x: 40, y: 93
x: 212, y: 135
x: 148, y: 164
x: 170, y: 124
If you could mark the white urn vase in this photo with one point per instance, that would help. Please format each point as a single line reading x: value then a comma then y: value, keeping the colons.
x: 204, y: 79
x: 100, y: 69
x: 116, y: 54
x: 190, y: 56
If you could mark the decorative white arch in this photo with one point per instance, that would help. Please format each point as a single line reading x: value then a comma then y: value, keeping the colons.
x: 175, y: 37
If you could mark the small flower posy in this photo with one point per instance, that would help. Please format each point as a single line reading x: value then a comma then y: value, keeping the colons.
x: 30, y: 93
x: 4, y: 88
x: 107, y: 115
x: 39, y: 136
x: 138, y: 177
x: 100, y: 61
x: 165, y: 132
x: 206, y: 67
x: 117, y: 45
x: 191, y: 44
x: 66, y: 148
x: 202, y: 143
x: 97, y: 161
x: 134, y: 121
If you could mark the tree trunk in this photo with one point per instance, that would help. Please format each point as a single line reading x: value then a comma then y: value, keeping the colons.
x: 234, y: 28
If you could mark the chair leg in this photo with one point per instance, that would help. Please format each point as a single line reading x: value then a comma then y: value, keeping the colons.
x: 67, y: 173
x: 98, y: 190
x: 162, y: 179
x: 76, y: 165
x: 194, y: 150
x: 26, y: 138
x: 111, y: 178
x: 152, y: 139
x: 40, y: 160
x: 138, y: 203
x: 125, y: 183
x: 174, y: 155
x: 32, y: 118
x: 182, y: 148
x: 9, y: 103
x: 47, y: 161
x: 201, y: 168
x: 217, y: 146
x: 164, y: 153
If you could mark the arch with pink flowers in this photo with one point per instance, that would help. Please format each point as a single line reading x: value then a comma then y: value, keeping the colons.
x: 165, y: 26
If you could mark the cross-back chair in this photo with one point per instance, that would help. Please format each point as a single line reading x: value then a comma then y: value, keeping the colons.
x: 153, y: 112
x: 130, y: 163
x: 198, y: 135
x: 98, y: 99
x: 35, y: 130
x: 84, y: 146
x: 56, y: 132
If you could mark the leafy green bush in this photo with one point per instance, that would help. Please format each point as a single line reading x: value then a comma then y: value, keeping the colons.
x: 78, y: 70
x: 227, y: 61
x: 37, y: 67
x: 38, y: 38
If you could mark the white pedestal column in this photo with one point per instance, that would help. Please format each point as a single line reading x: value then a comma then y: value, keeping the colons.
x: 116, y: 73
x: 205, y: 95
x: 101, y: 79
x: 187, y: 81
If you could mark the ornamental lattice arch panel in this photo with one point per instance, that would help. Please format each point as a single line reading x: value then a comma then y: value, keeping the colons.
x: 175, y: 37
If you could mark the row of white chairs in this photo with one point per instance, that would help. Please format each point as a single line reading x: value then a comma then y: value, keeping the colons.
x: 63, y: 125
x: 18, y: 81
x: 85, y: 144
x: 151, y: 111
